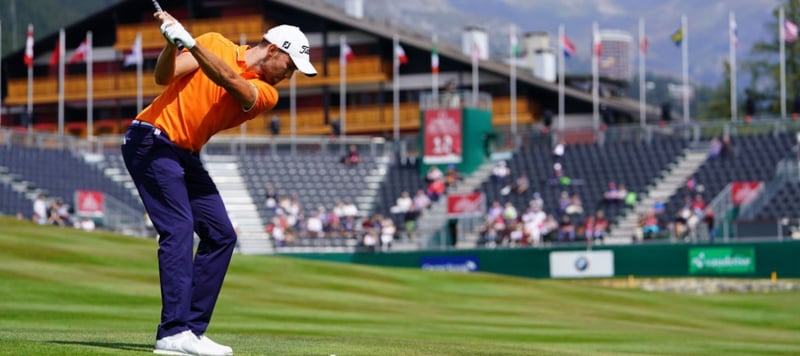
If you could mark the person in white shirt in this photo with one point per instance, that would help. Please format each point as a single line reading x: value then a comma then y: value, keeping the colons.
x: 403, y: 204
x: 40, y: 210
x: 314, y: 226
x: 350, y: 209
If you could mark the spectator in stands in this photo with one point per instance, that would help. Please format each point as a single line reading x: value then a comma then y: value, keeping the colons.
x: 563, y: 201
x: 588, y: 229
x: 496, y: 210
x: 500, y: 172
x: 370, y: 240
x: 352, y: 158
x: 451, y: 177
x: 40, y: 214
x: 533, y: 219
x: 559, y: 178
x: 53, y: 218
x: 600, y: 226
x: 612, y: 195
x: 64, y: 212
x: 338, y: 209
x: 403, y: 204
x: 87, y: 224
x: 314, y: 227
x: 714, y: 148
x: 350, y: 209
x: 421, y: 201
x: 436, y: 189
x: 691, y: 184
x: 433, y: 174
x: 559, y: 149
x: 388, y: 230
x: 510, y: 213
x: 537, y: 201
x: 549, y: 228
x: 566, y: 230
x: 270, y: 197
x: 708, y: 219
x: 698, y: 205
x: 521, y: 184
x: 209, y: 86
x: 575, y: 206
x: 650, y: 226
x: 727, y: 147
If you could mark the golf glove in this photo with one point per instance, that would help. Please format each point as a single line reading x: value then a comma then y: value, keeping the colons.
x: 175, y: 33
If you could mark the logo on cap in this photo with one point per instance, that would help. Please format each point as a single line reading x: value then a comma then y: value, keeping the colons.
x: 286, y: 44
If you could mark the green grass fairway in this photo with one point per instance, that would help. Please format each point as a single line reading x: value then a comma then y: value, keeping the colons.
x: 64, y: 292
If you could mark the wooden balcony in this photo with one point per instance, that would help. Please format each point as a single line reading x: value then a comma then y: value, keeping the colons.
x: 252, y: 27
x: 123, y: 85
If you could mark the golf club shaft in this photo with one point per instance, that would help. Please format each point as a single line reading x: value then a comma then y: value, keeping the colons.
x: 158, y: 8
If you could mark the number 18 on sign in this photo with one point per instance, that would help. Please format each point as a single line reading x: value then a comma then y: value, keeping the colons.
x: 442, y: 137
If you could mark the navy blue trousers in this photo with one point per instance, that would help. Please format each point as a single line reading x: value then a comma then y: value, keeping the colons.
x: 181, y: 199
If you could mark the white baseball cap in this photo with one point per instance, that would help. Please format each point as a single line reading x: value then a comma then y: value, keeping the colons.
x: 292, y: 41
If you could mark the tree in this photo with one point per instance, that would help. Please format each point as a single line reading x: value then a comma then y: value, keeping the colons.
x: 718, y: 105
x: 765, y: 65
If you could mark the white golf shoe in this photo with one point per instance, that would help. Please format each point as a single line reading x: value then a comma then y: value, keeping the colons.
x: 210, y: 344
x: 187, y: 343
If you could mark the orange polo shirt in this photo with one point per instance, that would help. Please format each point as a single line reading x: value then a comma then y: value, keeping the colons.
x: 193, y: 108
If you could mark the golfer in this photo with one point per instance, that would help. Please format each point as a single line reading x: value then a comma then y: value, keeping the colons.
x: 211, y: 84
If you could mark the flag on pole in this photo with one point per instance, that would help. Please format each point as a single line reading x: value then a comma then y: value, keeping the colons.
x: 401, y: 54
x: 598, y: 44
x: 734, y: 33
x: 434, y: 59
x: 55, y: 56
x: 135, y: 57
x: 790, y: 31
x: 677, y: 37
x: 643, y: 43
x: 346, y: 53
x: 569, y: 47
x: 514, y: 44
x: 29, y: 47
x: 80, y: 53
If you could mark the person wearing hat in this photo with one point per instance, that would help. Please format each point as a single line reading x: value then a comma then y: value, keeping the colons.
x: 210, y: 84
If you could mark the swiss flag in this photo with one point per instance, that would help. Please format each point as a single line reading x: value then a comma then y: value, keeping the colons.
x: 29, y: 47
x: 80, y: 53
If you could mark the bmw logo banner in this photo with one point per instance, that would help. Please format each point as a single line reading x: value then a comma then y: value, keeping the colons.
x: 576, y: 264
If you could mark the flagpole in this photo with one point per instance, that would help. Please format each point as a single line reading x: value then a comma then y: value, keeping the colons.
x: 1, y: 73
x: 513, y: 78
x: 561, y: 68
x: 139, y: 100
x: 89, y: 87
x: 782, y: 41
x: 395, y: 89
x: 342, y: 87
x: 29, y: 109
x: 293, y: 108
x: 243, y: 126
x: 435, y: 75
x: 595, y: 78
x: 732, y: 63
x: 685, y: 59
x: 475, y: 56
x: 642, y: 89
x: 61, y: 50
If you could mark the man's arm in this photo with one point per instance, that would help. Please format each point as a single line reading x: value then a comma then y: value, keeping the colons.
x: 219, y: 72
x: 169, y: 67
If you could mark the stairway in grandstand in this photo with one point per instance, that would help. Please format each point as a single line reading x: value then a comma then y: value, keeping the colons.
x: 673, y: 178
x: 432, y: 222
x: 242, y: 210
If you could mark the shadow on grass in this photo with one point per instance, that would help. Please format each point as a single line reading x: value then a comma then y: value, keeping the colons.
x: 108, y: 345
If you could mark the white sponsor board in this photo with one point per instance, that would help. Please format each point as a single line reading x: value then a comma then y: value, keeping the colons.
x: 572, y: 264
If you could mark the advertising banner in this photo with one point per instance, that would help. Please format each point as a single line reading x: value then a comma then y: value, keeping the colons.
x: 743, y: 192
x: 442, y: 140
x: 449, y: 263
x: 577, y: 264
x: 466, y: 205
x: 89, y: 203
x: 722, y: 260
